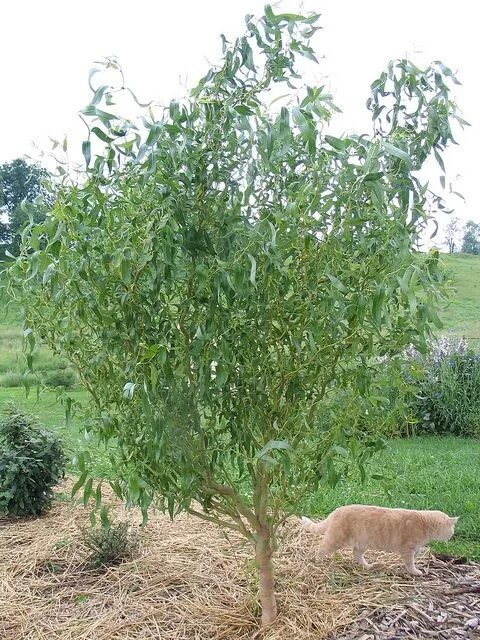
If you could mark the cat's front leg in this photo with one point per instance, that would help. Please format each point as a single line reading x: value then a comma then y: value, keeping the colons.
x: 320, y: 554
x: 325, y: 548
x: 409, y: 560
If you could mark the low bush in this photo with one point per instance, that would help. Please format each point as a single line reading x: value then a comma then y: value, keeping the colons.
x: 31, y: 464
x: 60, y: 378
x: 10, y: 380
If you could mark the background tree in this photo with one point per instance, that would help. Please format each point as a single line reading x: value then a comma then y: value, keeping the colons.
x: 451, y: 232
x: 19, y: 182
x: 471, y: 238
x: 226, y: 267
x: 4, y: 234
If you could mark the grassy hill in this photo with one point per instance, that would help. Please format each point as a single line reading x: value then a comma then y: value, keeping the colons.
x: 462, y: 316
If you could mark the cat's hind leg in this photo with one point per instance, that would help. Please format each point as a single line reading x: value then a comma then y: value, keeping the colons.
x: 358, y: 557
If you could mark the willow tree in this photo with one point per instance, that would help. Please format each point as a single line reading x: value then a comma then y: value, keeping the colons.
x: 226, y: 264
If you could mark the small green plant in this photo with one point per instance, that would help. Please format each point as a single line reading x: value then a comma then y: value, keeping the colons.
x: 81, y: 598
x: 31, y: 464
x: 63, y: 543
x: 110, y: 545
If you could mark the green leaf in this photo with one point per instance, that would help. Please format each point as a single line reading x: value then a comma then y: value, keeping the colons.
x: 98, y: 95
x: 153, y: 135
x: 98, y: 496
x: 341, y: 450
x: 104, y: 519
x: 87, y: 152
x: 336, y: 143
x: 398, y: 153
x: 299, y: 118
x: 102, y: 135
x: 377, y: 305
x: 439, y: 159
x: 372, y: 177
x: 221, y: 375
x: 269, y: 15
x: 87, y: 491
x: 290, y: 17
x: 126, y: 270
x: 150, y: 353
x: 162, y: 354
x: 134, y: 487
x: 244, y: 110
x: 336, y: 283
x: 103, y: 116
x: 79, y: 483
x: 115, y: 485
x: 433, y: 316
x: 273, y: 444
x: 170, y: 505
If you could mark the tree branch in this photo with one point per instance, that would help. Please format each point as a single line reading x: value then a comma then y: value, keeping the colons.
x: 240, y: 505
x: 217, y: 521
x: 231, y: 511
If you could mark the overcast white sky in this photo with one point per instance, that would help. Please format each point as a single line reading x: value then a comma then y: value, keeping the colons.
x: 48, y: 47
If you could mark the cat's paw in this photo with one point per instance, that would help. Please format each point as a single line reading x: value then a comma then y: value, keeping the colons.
x: 415, y: 572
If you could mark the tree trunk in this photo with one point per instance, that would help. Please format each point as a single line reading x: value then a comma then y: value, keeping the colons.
x: 264, y: 546
x: 263, y: 556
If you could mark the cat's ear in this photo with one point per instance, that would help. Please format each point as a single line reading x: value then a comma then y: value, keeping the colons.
x: 454, y: 520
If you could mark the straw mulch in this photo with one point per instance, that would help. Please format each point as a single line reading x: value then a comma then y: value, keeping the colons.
x: 190, y: 582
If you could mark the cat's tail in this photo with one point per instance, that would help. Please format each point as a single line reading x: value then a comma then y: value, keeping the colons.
x: 314, y: 527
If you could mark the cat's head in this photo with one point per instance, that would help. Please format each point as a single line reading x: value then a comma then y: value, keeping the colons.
x: 446, y: 527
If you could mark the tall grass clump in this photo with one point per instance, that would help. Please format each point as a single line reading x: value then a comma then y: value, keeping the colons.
x: 446, y: 393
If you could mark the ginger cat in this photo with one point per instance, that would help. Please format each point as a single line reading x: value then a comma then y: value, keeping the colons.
x: 402, y: 531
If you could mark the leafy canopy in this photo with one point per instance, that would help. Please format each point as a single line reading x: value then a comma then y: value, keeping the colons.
x: 227, y: 263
